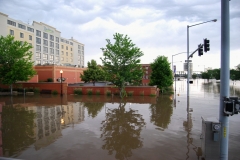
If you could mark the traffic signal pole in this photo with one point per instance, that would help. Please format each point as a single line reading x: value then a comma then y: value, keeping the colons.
x: 224, y: 84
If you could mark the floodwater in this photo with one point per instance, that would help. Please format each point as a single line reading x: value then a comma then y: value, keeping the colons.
x: 45, y: 127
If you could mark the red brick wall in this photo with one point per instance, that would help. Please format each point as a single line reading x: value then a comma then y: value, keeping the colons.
x: 34, y: 79
x: 135, y: 90
x: 71, y: 74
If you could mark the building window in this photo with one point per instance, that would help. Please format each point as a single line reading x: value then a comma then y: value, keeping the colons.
x: 62, y: 53
x: 30, y: 29
x: 62, y: 40
x: 38, y: 48
x: 67, y: 42
x: 57, y: 52
x: 66, y: 47
x: 51, y: 37
x: 82, y: 48
x: 62, y: 47
x: 45, y: 35
x: 30, y: 44
x: 62, y: 59
x: 57, y: 45
x: 71, y: 43
x: 38, y: 55
x: 11, y: 23
x: 79, y: 47
x: 45, y: 56
x: 45, y: 49
x: 51, y: 51
x: 21, y: 26
x: 51, y: 57
x: 57, y: 59
x: 71, y: 54
x: 38, y: 62
x: 45, y: 42
x: 79, y: 51
x: 51, y: 44
x: 57, y: 39
x: 21, y: 35
x: 71, y: 49
x: 30, y: 37
x: 66, y: 53
x: 38, y: 33
x: 38, y: 40
x: 11, y: 32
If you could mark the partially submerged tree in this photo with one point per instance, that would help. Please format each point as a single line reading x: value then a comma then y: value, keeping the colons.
x: 93, y: 74
x: 15, y: 61
x: 161, y: 73
x: 121, y: 62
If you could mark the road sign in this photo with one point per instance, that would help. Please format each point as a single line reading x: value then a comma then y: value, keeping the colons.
x: 188, y: 60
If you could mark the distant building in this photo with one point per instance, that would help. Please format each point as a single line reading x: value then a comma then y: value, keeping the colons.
x: 48, y: 45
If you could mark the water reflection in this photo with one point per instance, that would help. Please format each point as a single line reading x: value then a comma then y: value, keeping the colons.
x: 121, y: 131
x: 93, y: 108
x: 161, y: 112
x: 17, y: 128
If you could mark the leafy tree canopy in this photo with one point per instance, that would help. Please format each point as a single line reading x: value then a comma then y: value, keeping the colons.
x: 15, y: 61
x: 93, y: 74
x: 161, y: 73
x: 121, y: 62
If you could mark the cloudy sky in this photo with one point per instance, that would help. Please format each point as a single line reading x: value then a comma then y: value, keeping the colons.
x: 157, y: 27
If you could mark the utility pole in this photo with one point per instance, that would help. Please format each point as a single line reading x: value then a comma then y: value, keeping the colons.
x: 224, y: 85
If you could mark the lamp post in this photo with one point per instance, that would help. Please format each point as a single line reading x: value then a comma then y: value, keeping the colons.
x: 175, y: 76
x: 61, y: 82
x: 188, y: 74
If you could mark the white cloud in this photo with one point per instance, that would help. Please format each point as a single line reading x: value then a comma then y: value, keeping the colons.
x: 158, y: 27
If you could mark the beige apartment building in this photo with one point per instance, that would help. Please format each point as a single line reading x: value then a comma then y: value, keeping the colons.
x: 48, y: 45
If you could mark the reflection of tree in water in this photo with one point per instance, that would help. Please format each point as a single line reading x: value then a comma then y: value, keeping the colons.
x: 93, y: 108
x: 161, y: 111
x: 121, y: 131
x: 17, y: 129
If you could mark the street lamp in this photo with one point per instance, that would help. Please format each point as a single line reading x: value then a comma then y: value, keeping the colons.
x: 61, y: 82
x: 188, y: 75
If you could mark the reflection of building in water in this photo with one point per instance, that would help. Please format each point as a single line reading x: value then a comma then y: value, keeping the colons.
x: 48, y: 121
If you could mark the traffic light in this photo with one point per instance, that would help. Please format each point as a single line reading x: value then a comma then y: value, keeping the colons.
x: 200, y: 50
x: 206, y: 45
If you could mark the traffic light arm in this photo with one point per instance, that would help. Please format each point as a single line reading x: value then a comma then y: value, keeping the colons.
x: 195, y: 51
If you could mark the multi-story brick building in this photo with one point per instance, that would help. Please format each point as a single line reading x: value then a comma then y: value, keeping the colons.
x: 48, y: 45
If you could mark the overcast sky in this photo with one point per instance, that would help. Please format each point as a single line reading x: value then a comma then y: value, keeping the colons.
x: 157, y: 27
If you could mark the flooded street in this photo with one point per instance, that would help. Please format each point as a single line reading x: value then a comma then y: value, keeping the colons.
x: 46, y: 127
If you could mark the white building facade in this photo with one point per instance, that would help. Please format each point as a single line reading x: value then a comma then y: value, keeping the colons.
x: 48, y: 45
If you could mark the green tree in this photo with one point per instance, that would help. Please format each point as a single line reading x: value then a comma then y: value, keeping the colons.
x: 121, y: 62
x: 216, y: 73
x: 161, y: 73
x: 93, y: 74
x: 206, y: 75
x: 194, y: 75
x: 15, y: 61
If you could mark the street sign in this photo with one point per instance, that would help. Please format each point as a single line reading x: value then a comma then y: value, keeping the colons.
x: 188, y: 60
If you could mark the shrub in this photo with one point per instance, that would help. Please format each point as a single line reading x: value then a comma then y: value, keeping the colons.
x: 130, y: 93
x: 78, y: 91
x: 97, y: 92
x: 89, y: 92
x: 49, y: 80
x: 108, y: 93
x: 152, y: 95
x: 54, y: 92
x: 36, y: 90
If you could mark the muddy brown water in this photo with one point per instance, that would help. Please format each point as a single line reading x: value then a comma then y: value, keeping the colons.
x: 44, y: 127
